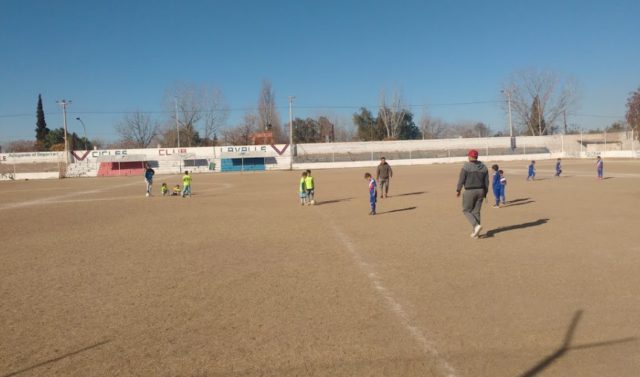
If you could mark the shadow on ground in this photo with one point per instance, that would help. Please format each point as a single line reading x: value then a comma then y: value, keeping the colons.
x: 397, y: 210
x: 56, y: 359
x: 518, y: 200
x: 566, y: 347
x: 412, y: 193
x: 520, y: 203
x: 333, y: 201
x: 507, y: 228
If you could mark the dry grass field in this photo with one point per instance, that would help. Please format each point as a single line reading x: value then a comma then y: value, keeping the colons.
x: 240, y: 280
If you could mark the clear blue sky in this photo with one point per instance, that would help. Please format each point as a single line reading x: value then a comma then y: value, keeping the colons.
x: 115, y: 56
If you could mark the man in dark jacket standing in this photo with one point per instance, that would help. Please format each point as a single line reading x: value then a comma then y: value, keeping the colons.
x: 474, y: 176
x: 383, y: 175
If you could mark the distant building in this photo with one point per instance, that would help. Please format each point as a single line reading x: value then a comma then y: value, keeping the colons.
x: 262, y: 138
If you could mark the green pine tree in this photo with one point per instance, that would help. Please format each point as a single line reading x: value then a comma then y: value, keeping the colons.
x: 41, y: 128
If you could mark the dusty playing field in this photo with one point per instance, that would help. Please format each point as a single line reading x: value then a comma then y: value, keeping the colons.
x: 240, y: 280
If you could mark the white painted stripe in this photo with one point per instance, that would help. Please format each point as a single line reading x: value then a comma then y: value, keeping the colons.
x: 52, y: 199
x: 394, y: 306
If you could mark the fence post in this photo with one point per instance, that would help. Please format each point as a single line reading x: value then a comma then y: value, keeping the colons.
x: 525, y: 148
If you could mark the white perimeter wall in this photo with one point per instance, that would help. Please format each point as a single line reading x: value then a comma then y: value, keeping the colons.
x: 85, y: 163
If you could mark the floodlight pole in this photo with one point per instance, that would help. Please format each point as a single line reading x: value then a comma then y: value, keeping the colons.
x: 513, y: 140
x: 64, y: 103
x: 84, y: 129
x: 291, y: 98
x: 175, y: 99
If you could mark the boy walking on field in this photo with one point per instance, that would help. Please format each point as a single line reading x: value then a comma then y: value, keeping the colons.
x: 309, y: 185
x: 186, y: 184
x: 496, y: 184
x: 373, y: 193
x: 532, y: 171
x: 302, y: 188
x: 599, y: 167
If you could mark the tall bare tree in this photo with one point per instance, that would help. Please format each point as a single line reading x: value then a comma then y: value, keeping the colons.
x: 216, y: 113
x: 268, y: 117
x: 242, y: 133
x: 633, y: 111
x: 391, y: 112
x: 431, y: 128
x: 199, y: 108
x: 539, y: 99
x: 137, y: 129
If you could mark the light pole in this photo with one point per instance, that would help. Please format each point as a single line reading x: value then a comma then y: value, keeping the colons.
x: 84, y: 128
x: 64, y: 103
x: 175, y: 99
x: 291, y: 98
x: 513, y: 139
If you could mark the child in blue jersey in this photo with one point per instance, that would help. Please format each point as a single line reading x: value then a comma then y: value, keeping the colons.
x: 503, y: 188
x: 496, y: 185
x: 558, y: 168
x: 600, y: 167
x: 302, y: 188
x: 532, y: 171
x: 373, y: 193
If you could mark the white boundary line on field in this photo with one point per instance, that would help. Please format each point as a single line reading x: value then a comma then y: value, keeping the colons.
x: 62, y: 198
x: 394, y: 306
x: 51, y: 199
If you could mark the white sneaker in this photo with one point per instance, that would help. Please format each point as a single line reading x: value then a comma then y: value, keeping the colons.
x: 476, y: 231
x: 147, y: 195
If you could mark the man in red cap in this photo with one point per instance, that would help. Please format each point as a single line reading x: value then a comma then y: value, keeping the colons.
x: 474, y: 176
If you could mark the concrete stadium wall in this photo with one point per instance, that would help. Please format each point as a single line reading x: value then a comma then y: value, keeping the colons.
x: 27, y: 176
x: 423, y: 161
x: 170, y: 160
x: 31, y: 157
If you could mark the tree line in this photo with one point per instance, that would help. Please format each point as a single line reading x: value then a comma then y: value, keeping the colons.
x: 539, y: 101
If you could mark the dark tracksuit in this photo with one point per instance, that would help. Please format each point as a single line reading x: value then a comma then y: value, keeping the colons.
x: 474, y: 177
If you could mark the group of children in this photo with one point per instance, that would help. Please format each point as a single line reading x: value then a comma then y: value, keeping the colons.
x: 306, y: 189
x: 532, y: 169
x: 531, y: 176
x: 184, y: 192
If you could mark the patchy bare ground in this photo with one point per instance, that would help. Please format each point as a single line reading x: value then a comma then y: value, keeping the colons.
x: 239, y: 280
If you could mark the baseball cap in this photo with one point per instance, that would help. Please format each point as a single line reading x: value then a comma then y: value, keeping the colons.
x: 473, y: 153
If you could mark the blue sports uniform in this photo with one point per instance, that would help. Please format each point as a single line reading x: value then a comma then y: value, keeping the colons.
x: 532, y: 171
x: 496, y: 187
x: 558, y: 169
x: 373, y: 195
x: 600, y: 168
